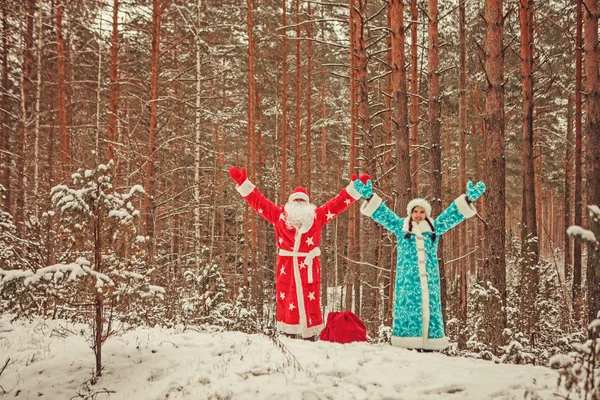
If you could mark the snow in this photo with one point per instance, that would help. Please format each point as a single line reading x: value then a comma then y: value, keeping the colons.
x: 52, y: 360
x: 585, y: 234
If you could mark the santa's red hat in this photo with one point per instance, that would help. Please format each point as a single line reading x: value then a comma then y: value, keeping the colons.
x: 299, y: 193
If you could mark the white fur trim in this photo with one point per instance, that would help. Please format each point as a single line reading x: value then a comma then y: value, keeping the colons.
x: 418, y: 202
x: 419, y: 343
x: 466, y: 209
x: 423, y: 225
x: 245, y: 188
x: 368, y: 207
x: 352, y: 191
x: 297, y: 329
x: 298, y: 195
x: 298, y: 281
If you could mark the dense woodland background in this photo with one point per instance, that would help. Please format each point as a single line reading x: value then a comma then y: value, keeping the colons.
x: 421, y: 95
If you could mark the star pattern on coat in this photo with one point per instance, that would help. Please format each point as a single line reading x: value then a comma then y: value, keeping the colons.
x: 282, y: 272
x: 302, y: 265
x: 330, y: 215
x: 309, y: 241
x: 282, y: 295
x: 292, y: 306
x: 347, y: 201
x: 280, y: 240
x: 260, y: 211
x: 311, y: 295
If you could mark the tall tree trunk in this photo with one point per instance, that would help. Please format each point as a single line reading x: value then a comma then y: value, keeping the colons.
x: 5, y: 157
x: 253, y: 142
x: 400, y: 104
x: 284, y: 96
x: 61, y: 91
x: 325, y: 272
x: 26, y: 83
x: 386, y: 181
x: 567, y: 206
x: 351, y: 271
x: 198, y: 144
x: 98, y: 319
x: 369, y: 275
x: 113, y: 94
x: 577, y: 215
x: 157, y: 9
x: 308, y: 98
x: 38, y: 96
x: 98, y: 100
x: 414, y: 103
x: 592, y: 112
x: 297, y: 158
x: 495, y: 199
x: 529, y: 233
x: 435, y: 122
x: 462, y: 162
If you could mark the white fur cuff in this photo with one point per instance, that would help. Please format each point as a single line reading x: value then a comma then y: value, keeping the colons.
x: 245, y: 188
x: 368, y: 207
x: 466, y: 209
x: 352, y: 191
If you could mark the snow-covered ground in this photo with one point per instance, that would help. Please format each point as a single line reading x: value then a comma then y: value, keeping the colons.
x: 51, y: 362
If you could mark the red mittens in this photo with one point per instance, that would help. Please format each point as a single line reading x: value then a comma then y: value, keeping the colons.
x: 364, y: 178
x: 239, y: 176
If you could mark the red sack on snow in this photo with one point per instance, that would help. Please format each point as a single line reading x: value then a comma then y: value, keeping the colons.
x: 344, y: 327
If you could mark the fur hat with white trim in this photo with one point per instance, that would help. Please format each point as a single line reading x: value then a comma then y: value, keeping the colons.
x: 299, y: 193
x: 418, y: 203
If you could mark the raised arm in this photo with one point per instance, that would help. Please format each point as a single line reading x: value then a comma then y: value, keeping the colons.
x: 460, y: 209
x: 380, y: 213
x: 340, y: 203
x: 263, y: 206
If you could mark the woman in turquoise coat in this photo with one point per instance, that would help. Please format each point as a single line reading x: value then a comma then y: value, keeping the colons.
x: 417, y: 321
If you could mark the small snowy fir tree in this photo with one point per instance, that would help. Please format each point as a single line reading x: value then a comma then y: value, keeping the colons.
x: 115, y: 283
x: 206, y: 290
x: 579, y: 370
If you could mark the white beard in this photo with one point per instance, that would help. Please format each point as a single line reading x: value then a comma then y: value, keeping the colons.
x: 299, y: 214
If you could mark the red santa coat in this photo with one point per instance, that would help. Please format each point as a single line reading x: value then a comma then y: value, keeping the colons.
x: 298, y: 273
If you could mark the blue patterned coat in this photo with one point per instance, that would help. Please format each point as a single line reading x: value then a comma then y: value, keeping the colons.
x: 418, y: 320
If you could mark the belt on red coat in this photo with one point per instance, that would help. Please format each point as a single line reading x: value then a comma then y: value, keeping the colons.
x: 308, y: 258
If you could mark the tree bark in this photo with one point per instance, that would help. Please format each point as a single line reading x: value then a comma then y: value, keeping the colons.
x: 414, y: 103
x: 399, y: 104
x: 567, y: 205
x: 592, y: 112
x: 495, y: 199
x: 157, y: 9
x: 462, y: 162
x: 26, y: 83
x: 435, y: 125
x: 351, y: 271
x: 61, y: 91
x: 308, y: 99
x: 38, y: 96
x: 297, y: 159
x: 529, y: 232
x: 284, y: 97
x: 113, y: 94
x: 577, y: 215
x: 4, y: 127
x: 198, y: 144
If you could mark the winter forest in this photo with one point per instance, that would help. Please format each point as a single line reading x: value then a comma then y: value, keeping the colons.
x: 119, y: 121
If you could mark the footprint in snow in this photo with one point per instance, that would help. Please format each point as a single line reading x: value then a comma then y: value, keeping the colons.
x: 448, y: 389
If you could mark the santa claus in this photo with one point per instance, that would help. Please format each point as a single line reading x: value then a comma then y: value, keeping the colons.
x: 298, y: 226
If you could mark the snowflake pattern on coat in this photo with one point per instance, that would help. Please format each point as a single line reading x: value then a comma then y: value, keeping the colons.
x: 413, y: 303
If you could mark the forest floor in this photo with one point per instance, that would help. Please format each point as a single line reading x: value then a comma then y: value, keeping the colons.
x: 53, y: 360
